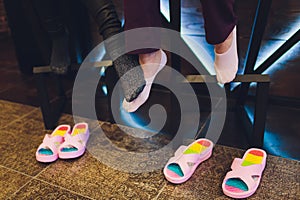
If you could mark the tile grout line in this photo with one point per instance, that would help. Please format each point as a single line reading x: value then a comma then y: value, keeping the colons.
x: 32, y: 177
x: 23, y: 116
x: 36, y: 178
x: 18, y: 103
x: 21, y: 187
x: 42, y: 170
x: 15, y: 171
x: 160, y: 191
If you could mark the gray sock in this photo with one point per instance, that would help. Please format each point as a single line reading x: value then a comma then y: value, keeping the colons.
x: 127, y: 67
x: 131, y: 75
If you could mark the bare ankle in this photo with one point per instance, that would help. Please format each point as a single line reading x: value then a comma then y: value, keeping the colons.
x: 144, y: 58
x: 224, y: 46
x: 150, y: 63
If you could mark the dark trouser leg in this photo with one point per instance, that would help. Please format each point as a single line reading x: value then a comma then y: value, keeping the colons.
x: 127, y: 66
x: 219, y: 19
x: 105, y: 15
x: 48, y: 11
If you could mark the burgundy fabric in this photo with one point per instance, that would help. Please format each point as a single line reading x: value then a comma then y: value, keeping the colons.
x: 219, y: 19
x: 143, y: 13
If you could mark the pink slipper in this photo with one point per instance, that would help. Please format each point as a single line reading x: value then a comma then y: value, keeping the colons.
x: 48, y: 150
x: 75, y: 143
x: 186, y: 160
x: 246, y: 174
x: 143, y: 96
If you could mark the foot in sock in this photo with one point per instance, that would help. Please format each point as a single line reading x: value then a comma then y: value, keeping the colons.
x: 60, y: 57
x: 131, y: 76
x: 226, y: 59
x: 151, y: 65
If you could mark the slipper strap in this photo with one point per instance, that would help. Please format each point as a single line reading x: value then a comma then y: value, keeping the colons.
x: 177, y: 153
x: 245, y: 173
x: 253, y: 170
x: 237, y: 162
x: 51, y: 142
x: 78, y: 141
x: 184, y: 160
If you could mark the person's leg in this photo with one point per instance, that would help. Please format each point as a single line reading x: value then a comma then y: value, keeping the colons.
x: 132, y: 81
x: 53, y: 24
x: 139, y: 14
x: 103, y: 11
x: 220, y: 22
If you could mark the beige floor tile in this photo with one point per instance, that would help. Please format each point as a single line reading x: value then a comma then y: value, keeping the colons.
x: 11, y: 181
x: 39, y: 190
x: 90, y: 177
x: 18, y: 151
x: 10, y: 112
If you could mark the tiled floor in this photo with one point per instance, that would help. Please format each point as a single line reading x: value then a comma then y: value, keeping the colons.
x: 94, y: 177
x: 115, y: 152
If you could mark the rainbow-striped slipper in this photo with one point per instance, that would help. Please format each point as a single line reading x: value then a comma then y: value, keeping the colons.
x: 75, y: 143
x: 246, y: 174
x: 48, y: 150
x: 186, y: 160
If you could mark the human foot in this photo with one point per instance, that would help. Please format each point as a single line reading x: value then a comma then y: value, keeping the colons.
x: 131, y: 76
x: 151, y: 64
x: 226, y: 59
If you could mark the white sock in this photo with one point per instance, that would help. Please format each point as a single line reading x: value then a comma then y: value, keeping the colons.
x: 143, y: 96
x: 226, y: 64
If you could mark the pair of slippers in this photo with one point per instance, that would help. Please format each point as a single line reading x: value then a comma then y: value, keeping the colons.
x: 63, y: 143
x: 241, y: 182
